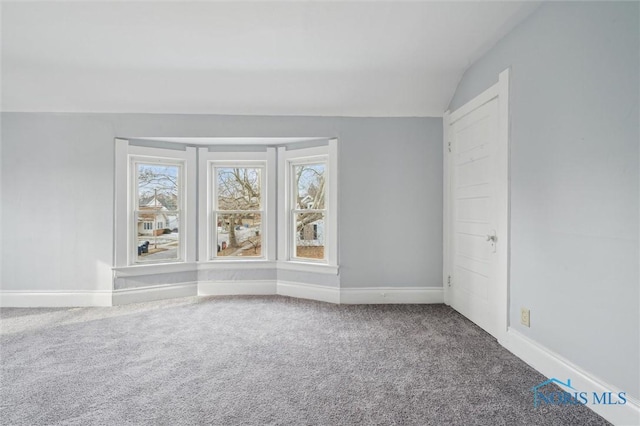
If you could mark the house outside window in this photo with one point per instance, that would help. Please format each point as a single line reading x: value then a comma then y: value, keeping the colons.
x: 158, y: 195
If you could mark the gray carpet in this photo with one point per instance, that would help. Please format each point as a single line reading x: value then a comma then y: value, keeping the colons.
x: 263, y: 360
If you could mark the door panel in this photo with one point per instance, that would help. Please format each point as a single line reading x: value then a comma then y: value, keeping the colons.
x: 473, y: 214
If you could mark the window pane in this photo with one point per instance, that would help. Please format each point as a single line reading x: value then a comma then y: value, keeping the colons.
x: 158, y: 186
x: 239, y: 234
x: 310, y: 190
x: 310, y: 235
x: 238, y: 188
x: 156, y: 242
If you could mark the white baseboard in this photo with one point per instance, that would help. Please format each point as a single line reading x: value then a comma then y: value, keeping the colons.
x: 309, y: 291
x: 54, y: 299
x: 321, y: 293
x: 371, y: 295
x: 551, y: 364
x: 225, y: 288
x: 158, y: 292
x: 380, y: 295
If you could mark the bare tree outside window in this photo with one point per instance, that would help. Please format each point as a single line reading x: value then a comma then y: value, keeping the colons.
x: 309, y: 212
x: 157, y: 211
x: 239, y: 211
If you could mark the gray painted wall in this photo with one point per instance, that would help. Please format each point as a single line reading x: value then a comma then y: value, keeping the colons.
x: 57, y: 198
x: 574, y: 180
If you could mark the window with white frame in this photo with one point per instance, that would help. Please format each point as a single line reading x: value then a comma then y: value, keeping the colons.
x: 158, y: 198
x: 308, y: 194
x: 154, y: 223
x: 236, y: 211
x: 308, y: 210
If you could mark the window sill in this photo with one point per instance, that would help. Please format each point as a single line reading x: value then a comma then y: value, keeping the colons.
x: 318, y: 268
x: 153, y: 268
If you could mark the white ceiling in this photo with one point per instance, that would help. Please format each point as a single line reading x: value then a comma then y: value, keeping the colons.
x: 267, y: 58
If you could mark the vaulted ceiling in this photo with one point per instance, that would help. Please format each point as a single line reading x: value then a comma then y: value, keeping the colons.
x: 268, y: 58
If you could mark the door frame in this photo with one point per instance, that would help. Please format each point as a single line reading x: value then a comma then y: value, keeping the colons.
x: 499, y: 90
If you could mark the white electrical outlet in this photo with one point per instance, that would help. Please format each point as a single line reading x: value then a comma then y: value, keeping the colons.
x: 525, y: 317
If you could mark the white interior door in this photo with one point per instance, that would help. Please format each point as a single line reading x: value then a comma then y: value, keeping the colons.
x: 476, y: 211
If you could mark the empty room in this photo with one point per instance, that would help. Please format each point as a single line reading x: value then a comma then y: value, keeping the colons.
x: 320, y: 213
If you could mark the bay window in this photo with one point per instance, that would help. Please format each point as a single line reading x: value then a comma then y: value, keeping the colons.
x: 227, y: 206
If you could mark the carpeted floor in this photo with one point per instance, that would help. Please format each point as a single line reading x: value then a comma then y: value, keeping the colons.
x: 263, y: 360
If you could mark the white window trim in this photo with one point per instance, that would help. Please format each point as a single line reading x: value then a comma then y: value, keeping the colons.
x: 124, y: 243
x: 286, y: 158
x: 206, y: 161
